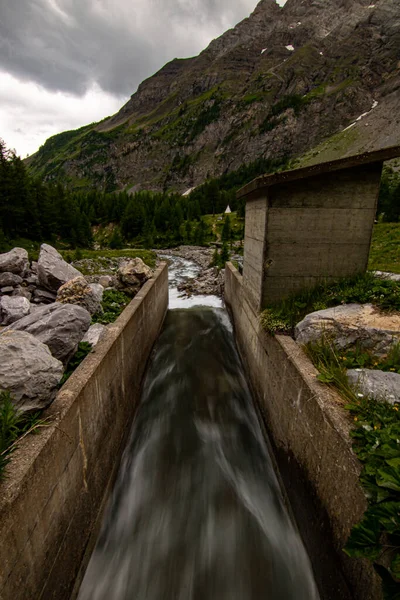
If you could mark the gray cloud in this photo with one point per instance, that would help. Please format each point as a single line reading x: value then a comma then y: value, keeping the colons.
x: 68, y: 45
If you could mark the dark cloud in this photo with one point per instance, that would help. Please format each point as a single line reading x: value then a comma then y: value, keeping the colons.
x: 68, y: 45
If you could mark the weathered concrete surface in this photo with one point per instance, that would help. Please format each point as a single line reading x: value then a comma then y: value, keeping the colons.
x: 310, y: 432
x: 58, y: 478
x: 301, y: 232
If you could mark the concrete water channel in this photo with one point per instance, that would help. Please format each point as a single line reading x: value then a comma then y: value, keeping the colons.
x: 197, y: 512
x: 196, y: 509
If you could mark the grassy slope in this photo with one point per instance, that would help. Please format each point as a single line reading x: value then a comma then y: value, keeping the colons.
x: 385, y: 248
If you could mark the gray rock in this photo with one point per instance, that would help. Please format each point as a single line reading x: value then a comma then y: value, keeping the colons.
x: 16, y: 261
x: 7, y: 290
x: 381, y: 385
x: 22, y: 292
x: 94, y: 333
x: 44, y: 296
x: 60, y: 326
x: 53, y: 271
x: 132, y: 275
x: 28, y: 370
x: 350, y: 325
x: 13, y: 308
x: 9, y: 279
x: 386, y: 275
x: 34, y: 267
x: 79, y: 292
x: 32, y: 279
x: 106, y: 281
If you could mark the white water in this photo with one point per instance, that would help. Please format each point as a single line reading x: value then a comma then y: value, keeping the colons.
x: 179, y: 271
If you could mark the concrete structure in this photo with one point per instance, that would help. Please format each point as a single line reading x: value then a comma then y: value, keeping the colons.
x: 309, y: 430
x: 310, y: 224
x: 58, y: 479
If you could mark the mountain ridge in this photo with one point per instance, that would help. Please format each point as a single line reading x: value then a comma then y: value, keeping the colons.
x: 281, y: 84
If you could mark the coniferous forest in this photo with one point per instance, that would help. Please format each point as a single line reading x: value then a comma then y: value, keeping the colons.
x: 34, y: 210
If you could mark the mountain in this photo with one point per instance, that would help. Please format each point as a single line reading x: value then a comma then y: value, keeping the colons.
x: 314, y: 79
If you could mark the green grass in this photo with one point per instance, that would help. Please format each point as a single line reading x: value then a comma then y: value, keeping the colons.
x: 385, y: 248
x: 13, y: 425
x: 283, y: 317
x: 148, y: 256
x: 375, y: 435
x: 216, y: 223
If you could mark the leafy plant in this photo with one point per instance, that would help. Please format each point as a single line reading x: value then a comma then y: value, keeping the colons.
x: 83, y: 350
x: 113, y: 304
x: 376, y: 441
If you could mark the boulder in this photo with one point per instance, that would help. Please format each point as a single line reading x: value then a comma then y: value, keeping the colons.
x: 22, y: 292
x: 28, y: 370
x: 132, y: 275
x: 44, y: 296
x: 7, y: 290
x: 60, y: 326
x: 13, y: 308
x: 381, y: 385
x: 9, y: 279
x: 79, y: 292
x: 31, y: 279
x: 16, y: 261
x: 107, y: 281
x: 94, y: 334
x: 351, y: 325
x: 52, y: 270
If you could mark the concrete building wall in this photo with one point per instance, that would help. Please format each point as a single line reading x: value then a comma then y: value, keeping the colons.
x: 309, y: 431
x: 58, y: 479
x: 316, y: 228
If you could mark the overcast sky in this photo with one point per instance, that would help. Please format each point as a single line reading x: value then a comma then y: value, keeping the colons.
x: 67, y: 63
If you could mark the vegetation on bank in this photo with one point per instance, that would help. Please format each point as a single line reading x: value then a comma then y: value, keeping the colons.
x: 13, y: 426
x: 385, y: 248
x: 376, y: 435
x: 367, y: 288
x: 113, y: 304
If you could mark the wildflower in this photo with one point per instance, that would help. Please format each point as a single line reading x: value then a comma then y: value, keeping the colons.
x: 355, y: 418
x: 360, y: 395
x: 395, y: 408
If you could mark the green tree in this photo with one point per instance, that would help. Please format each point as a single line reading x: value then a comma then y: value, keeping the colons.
x: 116, y: 241
x: 226, y: 230
x: 224, y: 255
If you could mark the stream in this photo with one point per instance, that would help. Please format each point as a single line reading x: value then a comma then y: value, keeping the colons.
x: 197, y: 512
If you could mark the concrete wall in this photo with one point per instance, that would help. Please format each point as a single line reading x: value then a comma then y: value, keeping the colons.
x: 301, y: 232
x: 309, y: 431
x: 58, y: 478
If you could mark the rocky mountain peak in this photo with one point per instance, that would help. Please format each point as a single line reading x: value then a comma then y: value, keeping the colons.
x: 275, y: 86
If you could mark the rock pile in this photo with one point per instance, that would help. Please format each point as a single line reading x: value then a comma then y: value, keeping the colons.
x: 45, y: 311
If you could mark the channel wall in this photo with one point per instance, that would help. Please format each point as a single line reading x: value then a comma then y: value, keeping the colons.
x: 58, y: 479
x: 309, y: 430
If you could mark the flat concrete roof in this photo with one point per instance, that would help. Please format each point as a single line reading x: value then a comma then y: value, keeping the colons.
x: 366, y: 158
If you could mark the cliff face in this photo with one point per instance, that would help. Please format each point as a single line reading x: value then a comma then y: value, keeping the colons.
x: 286, y: 82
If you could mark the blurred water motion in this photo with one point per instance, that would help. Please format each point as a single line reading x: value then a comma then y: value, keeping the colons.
x: 196, y: 513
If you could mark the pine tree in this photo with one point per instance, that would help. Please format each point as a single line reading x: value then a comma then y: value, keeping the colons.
x: 224, y: 255
x: 226, y: 230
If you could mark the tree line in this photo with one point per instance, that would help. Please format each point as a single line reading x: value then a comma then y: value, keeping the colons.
x: 31, y: 209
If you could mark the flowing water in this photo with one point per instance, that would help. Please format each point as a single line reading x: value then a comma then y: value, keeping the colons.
x: 197, y: 513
